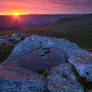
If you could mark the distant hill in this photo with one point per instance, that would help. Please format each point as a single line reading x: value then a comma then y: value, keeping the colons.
x: 76, y: 28
x: 28, y: 21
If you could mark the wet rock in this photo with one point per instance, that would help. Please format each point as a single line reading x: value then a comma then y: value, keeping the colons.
x: 62, y: 79
x: 14, y: 79
x: 83, y: 65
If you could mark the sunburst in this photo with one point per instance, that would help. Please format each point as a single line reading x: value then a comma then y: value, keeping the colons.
x: 16, y: 14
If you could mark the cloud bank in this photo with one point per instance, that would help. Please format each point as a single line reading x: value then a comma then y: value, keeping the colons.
x: 46, y: 6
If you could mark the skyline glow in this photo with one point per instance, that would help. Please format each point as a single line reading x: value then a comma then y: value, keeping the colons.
x: 45, y: 6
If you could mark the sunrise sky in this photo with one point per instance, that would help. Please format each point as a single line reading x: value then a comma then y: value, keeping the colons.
x: 45, y: 6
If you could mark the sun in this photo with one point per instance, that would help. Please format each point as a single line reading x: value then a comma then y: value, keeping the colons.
x: 16, y: 14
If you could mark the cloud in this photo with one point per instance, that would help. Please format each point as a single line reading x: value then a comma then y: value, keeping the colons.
x: 47, y: 6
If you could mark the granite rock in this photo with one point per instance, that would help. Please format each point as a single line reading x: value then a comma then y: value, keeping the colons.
x: 83, y: 65
x: 62, y: 79
x: 35, y: 42
x: 15, y: 79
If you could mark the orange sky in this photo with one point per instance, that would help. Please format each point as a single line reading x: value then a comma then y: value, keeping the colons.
x: 45, y: 6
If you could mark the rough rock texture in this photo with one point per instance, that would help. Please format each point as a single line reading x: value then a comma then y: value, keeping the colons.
x: 17, y: 36
x: 83, y: 65
x: 36, y: 61
x: 3, y: 41
x: 62, y: 79
x: 15, y: 79
x: 34, y: 42
x: 12, y: 40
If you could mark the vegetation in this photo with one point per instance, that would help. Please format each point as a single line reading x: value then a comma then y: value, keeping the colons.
x: 5, y: 50
x: 86, y: 85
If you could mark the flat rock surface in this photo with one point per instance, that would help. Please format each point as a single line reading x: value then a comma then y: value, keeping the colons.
x: 40, y: 59
x: 14, y: 79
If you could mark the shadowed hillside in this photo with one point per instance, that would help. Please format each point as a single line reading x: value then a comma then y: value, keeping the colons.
x: 76, y: 29
x: 28, y: 21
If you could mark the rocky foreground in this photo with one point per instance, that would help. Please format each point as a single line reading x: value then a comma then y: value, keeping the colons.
x: 44, y: 64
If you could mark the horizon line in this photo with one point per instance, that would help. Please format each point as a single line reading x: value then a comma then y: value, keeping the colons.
x: 45, y: 14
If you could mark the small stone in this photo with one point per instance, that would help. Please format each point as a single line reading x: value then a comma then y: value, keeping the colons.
x: 48, y: 63
x: 42, y: 53
x: 46, y: 51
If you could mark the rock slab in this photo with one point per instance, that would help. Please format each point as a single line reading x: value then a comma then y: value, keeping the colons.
x: 62, y: 79
x: 15, y: 79
x: 36, y: 62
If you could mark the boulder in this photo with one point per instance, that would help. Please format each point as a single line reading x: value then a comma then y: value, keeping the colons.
x: 62, y: 79
x: 15, y: 79
x: 35, y: 42
x: 83, y: 65
x: 37, y: 53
